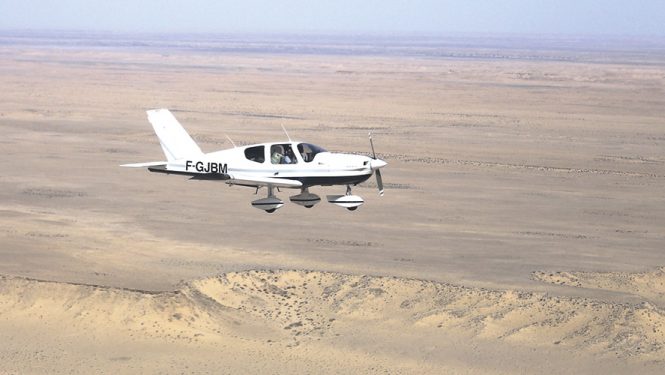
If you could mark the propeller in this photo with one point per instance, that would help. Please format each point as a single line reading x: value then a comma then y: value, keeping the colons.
x: 377, y: 170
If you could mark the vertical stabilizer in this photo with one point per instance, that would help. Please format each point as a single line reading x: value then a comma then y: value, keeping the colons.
x: 175, y: 141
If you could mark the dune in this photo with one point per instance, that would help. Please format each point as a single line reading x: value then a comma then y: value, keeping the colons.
x: 649, y: 285
x: 310, y: 320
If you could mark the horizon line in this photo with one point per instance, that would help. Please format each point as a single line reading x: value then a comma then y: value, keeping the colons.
x: 336, y: 33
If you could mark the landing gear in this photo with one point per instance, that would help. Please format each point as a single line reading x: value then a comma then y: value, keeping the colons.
x: 349, y: 201
x: 269, y: 204
x: 305, y: 198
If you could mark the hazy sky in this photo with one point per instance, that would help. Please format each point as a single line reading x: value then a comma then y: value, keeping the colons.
x: 622, y: 17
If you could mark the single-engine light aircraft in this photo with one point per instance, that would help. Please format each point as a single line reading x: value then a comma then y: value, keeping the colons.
x: 274, y: 165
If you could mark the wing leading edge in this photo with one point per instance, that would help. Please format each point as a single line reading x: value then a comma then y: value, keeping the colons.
x: 247, y: 180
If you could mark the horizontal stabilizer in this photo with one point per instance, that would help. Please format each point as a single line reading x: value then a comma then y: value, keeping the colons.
x: 144, y: 165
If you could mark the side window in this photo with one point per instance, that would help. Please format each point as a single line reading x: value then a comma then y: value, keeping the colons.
x: 255, y: 154
x: 282, y: 154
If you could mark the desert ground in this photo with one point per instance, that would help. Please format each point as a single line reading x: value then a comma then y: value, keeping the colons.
x: 522, y: 229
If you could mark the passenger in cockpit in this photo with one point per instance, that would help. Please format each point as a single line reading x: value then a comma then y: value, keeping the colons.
x: 305, y: 152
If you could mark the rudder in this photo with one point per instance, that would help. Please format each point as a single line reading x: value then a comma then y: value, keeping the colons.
x: 174, y: 139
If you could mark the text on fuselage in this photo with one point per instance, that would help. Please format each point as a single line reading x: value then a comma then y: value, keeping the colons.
x: 208, y: 167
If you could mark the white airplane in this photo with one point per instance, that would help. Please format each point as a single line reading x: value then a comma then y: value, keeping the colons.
x: 275, y: 165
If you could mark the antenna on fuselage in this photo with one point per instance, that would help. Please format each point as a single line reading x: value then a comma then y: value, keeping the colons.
x: 285, y: 132
x: 230, y: 140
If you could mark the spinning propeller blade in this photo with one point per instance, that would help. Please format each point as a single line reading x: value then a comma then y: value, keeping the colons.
x: 371, y: 143
x: 379, y: 180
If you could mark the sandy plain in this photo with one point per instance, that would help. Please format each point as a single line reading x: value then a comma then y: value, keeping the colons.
x: 522, y: 229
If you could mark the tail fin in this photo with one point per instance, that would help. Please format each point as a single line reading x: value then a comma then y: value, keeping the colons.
x: 175, y: 141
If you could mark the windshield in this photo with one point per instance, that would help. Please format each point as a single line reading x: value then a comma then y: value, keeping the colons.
x: 308, y: 151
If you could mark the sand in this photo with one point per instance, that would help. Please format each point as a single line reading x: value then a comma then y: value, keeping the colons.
x: 310, y: 321
x: 521, y: 230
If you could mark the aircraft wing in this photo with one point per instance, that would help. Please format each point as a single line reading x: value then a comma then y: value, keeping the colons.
x: 248, y: 180
x: 231, y: 179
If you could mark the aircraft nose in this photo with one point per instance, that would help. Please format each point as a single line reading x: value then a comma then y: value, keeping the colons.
x: 377, y: 164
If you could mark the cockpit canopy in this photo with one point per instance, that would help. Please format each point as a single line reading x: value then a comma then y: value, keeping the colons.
x: 282, y: 153
x: 308, y: 151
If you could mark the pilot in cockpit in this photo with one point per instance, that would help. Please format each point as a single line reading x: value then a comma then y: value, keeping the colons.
x: 289, y: 158
x: 277, y: 154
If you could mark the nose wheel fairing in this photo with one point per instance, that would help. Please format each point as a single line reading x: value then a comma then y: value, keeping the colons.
x: 349, y: 201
